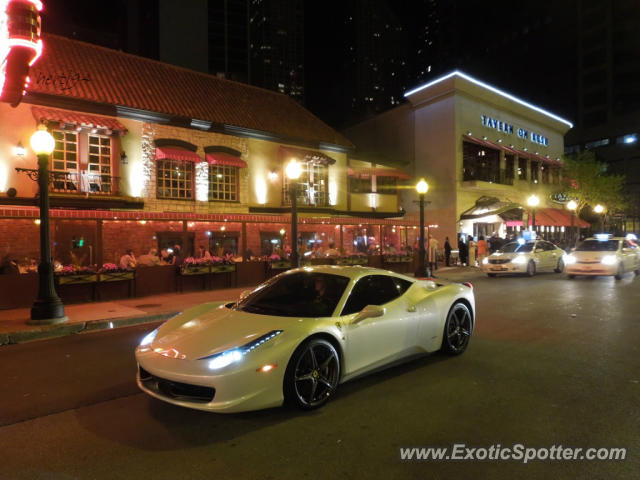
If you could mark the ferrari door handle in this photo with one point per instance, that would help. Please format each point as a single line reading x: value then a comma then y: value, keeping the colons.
x: 411, y: 308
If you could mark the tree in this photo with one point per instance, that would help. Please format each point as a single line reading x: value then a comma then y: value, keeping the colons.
x: 585, y: 180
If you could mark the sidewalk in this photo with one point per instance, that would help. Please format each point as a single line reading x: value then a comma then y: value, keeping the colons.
x: 87, y: 317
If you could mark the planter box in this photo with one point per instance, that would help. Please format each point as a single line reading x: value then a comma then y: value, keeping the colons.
x: 223, y: 268
x: 251, y: 273
x: 352, y: 261
x: 280, y: 265
x: 77, y: 278
x: 195, y: 270
x: 116, y: 276
x: 398, y: 259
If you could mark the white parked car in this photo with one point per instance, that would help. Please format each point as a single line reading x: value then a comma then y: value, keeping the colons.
x: 524, y: 257
x: 603, y: 255
x: 297, y: 336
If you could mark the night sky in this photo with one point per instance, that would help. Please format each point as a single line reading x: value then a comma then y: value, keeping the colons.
x: 522, y: 47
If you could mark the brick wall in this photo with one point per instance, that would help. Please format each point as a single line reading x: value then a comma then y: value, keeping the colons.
x: 20, y: 239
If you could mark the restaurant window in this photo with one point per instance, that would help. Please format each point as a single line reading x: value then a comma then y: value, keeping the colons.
x: 535, y: 172
x: 480, y: 163
x: 223, y: 183
x: 312, y: 185
x: 522, y: 169
x: 175, y: 179
x: 67, y: 171
x: 386, y: 185
x: 99, y: 172
x: 359, y: 185
x: 221, y: 244
x: 545, y: 173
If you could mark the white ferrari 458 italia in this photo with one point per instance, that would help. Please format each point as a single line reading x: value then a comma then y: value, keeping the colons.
x: 298, y: 335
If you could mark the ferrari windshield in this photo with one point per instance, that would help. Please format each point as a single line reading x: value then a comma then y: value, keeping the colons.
x: 598, y: 246
x: 300, y: 294
x: 517, y: 247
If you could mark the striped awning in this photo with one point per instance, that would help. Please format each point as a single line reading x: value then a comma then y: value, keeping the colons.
x: 511, y: 150
x: 75, y: 119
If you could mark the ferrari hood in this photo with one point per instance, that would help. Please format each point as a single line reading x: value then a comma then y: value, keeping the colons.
x: 192, y: 336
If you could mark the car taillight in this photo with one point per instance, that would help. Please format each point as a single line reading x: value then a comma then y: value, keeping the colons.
x: 468, y: 284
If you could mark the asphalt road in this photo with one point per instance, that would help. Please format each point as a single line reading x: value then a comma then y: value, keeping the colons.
x: 552, y: 362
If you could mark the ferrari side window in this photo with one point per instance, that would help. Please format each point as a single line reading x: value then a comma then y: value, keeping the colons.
x: 371, y: 290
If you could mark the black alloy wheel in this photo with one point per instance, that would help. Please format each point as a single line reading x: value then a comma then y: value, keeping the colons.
x: 531, y: 268
x: 312, y: 375
x: 560, y: 267
x: 457, y: 329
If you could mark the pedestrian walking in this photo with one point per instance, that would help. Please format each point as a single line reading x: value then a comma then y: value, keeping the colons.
x: 472, y: 251
x: 433, y: 253
x: 447, y: 252
x: 483, y: 248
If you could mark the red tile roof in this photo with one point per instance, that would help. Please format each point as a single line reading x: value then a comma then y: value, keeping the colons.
x: 76, y: 70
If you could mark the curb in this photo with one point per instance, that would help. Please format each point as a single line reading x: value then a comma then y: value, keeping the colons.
x: 53, y: 331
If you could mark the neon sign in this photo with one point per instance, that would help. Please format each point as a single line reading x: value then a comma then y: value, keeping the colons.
x: 504, y: 127
x: 20, y: 46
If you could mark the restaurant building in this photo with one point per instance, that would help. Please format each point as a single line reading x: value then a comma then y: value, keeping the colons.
x: 483, y: 152
x: 149, y: 155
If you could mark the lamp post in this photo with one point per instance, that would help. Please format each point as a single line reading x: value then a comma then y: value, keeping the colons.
x: 599, y: 209
x: 422, y: 187
x: 48, y: 308
x: 572, y: 206
x: 533, y: 202
x: 293, y: 172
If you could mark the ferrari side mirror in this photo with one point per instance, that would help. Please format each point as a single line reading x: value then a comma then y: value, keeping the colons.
x: 369, y: 311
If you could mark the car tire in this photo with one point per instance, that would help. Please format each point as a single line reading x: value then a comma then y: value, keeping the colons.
x: 560, y: 267
x: 571, y: 277
x: 312, y: 375
x: 458, y: 328
x: 620, y: 272
x: 531, y: 268
x: 491, y: 275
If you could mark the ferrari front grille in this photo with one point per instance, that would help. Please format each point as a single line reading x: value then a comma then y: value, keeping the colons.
x: 176, y: 390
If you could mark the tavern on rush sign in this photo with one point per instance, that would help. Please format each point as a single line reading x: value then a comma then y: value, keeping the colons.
x: 509, y: 129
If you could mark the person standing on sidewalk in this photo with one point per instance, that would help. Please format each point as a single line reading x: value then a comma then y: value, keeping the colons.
x: 483, y: 247
x: 462, y: 250
x: 447, y: 252
x: 472, y: 251
x: 433, y: 253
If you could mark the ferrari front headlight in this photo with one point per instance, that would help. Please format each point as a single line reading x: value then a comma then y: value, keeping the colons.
x: 149, y: 338
x: 226, y: 358
x: 609, y: 260
x: 519, y: 260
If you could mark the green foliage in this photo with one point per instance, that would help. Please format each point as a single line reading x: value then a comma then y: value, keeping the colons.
x: 586, y: 181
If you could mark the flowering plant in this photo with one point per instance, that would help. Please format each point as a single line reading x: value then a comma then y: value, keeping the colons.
x: 111, y: 267
x: 189, y: 261
x: 274, y: 257
x: 75, y: 270
x: 67, y: 270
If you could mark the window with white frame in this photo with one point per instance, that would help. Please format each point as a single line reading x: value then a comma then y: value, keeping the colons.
x: 64, y: 161
x: 223, y: 183
x: 312, y: 185
x: 99, y: 171
x: 175, y: 179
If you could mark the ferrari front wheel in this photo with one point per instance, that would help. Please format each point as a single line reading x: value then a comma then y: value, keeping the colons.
x: 312, y: 375
x: 457, y: 329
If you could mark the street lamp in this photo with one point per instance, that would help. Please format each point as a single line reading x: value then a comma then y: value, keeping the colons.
x: 293, y: 171
x: 572, y: 206
x: 48, y: 308
x: 599, y: 209
x: 533, y: 202
x: 422, y: 187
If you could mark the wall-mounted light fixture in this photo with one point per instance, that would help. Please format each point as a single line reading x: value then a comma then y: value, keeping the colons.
x: 19, y: 150
x: 123, y: 158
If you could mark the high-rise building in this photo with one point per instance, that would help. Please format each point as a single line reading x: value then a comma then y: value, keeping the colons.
x: 608, y: 92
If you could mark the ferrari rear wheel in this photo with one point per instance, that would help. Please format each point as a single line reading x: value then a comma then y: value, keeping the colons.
x: 457, y: 329
x: 312, y: 375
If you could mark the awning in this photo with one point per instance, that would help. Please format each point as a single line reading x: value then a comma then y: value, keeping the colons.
x: 552, y: 217
x: 221, y: 158
x: 512, y: 150
x: 177, y: 154
x: 310, y: 156
x: 486, y: 206
x: 363, y: 172
x: 74, y: 119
